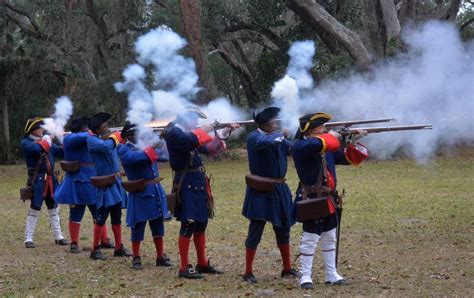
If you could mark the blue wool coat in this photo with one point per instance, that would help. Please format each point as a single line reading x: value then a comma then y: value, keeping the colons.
x: 104, y: 154
x: 76, y: 188
x: 267, y: 154
x: 151, y: 203
x: 193, y: 193
x: 308, y: 162
x: 31, y: 151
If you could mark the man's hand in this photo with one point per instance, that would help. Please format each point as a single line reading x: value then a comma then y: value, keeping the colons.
x: 234, y: 126
x: 285, y: 132
x: 360, y: 134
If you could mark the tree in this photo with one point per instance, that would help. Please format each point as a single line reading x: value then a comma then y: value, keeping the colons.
x: 316, y: 16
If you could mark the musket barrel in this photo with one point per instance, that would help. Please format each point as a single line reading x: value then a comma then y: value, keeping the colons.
x: 389, y: 128
x: 220, y: 125
x: 356, y: 122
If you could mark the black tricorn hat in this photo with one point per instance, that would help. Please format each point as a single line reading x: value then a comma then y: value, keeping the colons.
x: 32, y: 124
x: 313, y: 120
x: 128, y: 129
x: 78, y: 123
x: 98, y: 119
x: 265, y: 115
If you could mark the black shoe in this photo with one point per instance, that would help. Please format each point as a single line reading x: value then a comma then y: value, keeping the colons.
x: 190, y: 273
x: 208, y: 269
x: 164, y: 261
x: 290, y: 273
x: 250, y: 278
x: 341, y: 282
x: 137, y: 263
x: 29, y: 244
x: 122, y: 252
x: 107, y: 245
x: 61, y: 242
x: 74, y: 248
x: 96, y: 254
x: 307, y: 286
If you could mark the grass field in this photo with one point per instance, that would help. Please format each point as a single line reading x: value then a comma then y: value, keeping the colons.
x: 407, y: 230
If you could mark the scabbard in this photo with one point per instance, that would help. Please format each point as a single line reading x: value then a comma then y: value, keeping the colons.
x: 338, y: 231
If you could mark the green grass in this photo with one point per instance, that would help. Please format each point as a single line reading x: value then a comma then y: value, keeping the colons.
x: 407, y: 231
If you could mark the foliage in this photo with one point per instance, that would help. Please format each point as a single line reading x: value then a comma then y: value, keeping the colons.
x: 80, y: 48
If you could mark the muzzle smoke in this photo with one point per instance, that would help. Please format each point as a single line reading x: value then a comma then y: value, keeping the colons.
x: 173, y: 87
x: 55, y: 125
x: 430, y: 83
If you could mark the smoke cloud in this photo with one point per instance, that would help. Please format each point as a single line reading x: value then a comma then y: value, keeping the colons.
x: 173, y: 88
x: 431, y: 83
x: 63, y: 111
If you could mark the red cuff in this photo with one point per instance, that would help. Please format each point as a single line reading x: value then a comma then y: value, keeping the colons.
x: 151, y: 153
x: 203, y: 136
x: 45, y: 145
x: 117, y: 138
x: 330, y: 142
x: 215, y: 147
x: 356, y: 154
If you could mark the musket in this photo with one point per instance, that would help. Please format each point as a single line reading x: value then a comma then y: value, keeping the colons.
x: 356, y: 122
x: 220, y: 125
x: 346, y: 133
x: 353, y: 131
x: 217, y: 125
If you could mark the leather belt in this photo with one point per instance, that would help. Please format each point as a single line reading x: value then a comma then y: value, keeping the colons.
x: 198, y: 169
x: 86, y: 164
x: 152, y: 181
x: 315, y: 189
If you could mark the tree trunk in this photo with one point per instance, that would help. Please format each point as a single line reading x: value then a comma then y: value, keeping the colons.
x: 6, y: 120
x: 246, y: 76
x: 317, y: 17
x: 390, y: 18
x: 191, y: 17
x: 451, y: 11
x: 407, y: 11
x: 372, y: 31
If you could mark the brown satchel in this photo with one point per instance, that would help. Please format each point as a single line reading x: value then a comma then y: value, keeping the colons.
x: 103, y: 181
x: 26, y: 193
x: 313, y: 208
x: 173, y: 199
x: 262, y: 184
x: 70, y: 166
x: 134, y: 185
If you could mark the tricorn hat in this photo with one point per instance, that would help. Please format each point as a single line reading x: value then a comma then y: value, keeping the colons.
x: 78, y: 123
x: 98, y: 119
x: 32, y: 124
x: 265, y: 115
x: 313, y: 120
x: 128, y: 129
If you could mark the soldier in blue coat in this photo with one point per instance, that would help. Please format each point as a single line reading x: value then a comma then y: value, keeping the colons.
x: 268, y: 150
x: 315, y: 153
x: 185, y: 142
x: 147, y: 198
x: 111, y: 197
x: 38, y: 150
x: 76, y: 189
